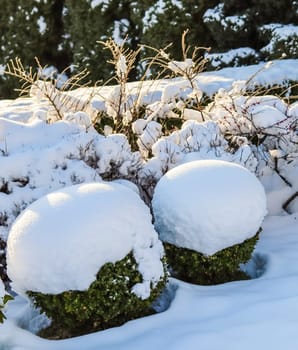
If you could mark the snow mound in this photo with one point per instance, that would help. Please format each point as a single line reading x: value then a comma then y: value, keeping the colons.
x: 61, y: 241
x: 35, y: 134
x: 208, y: 205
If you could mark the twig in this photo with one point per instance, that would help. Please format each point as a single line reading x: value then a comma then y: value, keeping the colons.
x: 288, y: 201
x: 279, y: 174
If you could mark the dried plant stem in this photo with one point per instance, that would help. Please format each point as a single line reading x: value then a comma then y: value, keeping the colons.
x: 60, y: 100
x: 289, y: 201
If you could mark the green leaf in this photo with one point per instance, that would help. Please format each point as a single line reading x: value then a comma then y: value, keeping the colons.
x: 2, y: 317
x: 7, y: 298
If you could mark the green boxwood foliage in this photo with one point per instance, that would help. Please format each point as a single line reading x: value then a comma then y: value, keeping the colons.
x: 194, y: 267
x: 108, y: 302
x: 6, y: 298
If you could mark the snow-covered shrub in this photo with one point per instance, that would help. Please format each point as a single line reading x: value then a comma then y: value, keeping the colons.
x: 226, y: 27
x: 235, y: 58
x: 282, y: 40
x: 213, y: 210
x: 122, y: 106
x: 38, y: 158
x: 239, y: 113
x: 267, y: 124
x: 223, y: 266
x: 47, y: 89
x: 263, y: 120
x: 88, y: 256
x: 195, y: 140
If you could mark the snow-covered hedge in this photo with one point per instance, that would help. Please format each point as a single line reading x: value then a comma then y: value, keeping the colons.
x: 211, y: 207
x: 88, y: 255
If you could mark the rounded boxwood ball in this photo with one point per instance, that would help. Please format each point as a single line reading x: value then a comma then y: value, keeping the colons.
x: 89, y: 257
x: 208, y: 213
x: 108, y: 302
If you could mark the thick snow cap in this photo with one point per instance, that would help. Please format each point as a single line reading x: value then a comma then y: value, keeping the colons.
x: 208, y: 205
x: 61, y: 241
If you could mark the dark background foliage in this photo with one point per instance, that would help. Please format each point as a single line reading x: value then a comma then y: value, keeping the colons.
x: 64, y: 33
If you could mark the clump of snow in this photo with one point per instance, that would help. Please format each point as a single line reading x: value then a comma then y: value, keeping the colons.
x: 38, y: 158
x: 34, y: 134
x: 60, y: 102
x: 216, y: 14
x: 95, y: 3
x: 181, y: 67
x: 61, y: 241
x: 52, y: 73
x: 194, y: 141
x: 241, y: 115
x: 42, y: 24
x: 120, y: 31
x: 151, y: 14
x: 208, y: 205
x: 79, y: 118
x: 268, y: 126
x: 121, y: 66
x: 280, y: 33
x: 148, y: 133
x: 231, y: 57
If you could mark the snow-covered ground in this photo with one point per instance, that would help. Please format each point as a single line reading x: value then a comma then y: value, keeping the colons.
x: 253, y: 314
x: 256, y: 314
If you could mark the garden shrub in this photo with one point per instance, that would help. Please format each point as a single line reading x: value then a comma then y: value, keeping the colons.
x: 223, y: 266
x: 108, y: 302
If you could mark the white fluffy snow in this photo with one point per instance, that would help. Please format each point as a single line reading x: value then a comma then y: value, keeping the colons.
x: 254, y: 314
x: 61, y: 241
x: 95, y: 3
x: 216, y: 14
x: 208, y: 205
x: 34, y: 134
x: 38, y: 158
x: 42, y: 24
x: 279, y: 33
x: 231, y: 56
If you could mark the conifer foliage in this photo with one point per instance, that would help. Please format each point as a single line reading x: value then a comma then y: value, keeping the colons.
x: 66, y: 33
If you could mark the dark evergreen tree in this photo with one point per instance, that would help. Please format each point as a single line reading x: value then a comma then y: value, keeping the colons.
x: 66, y: 32
x: 87, y: 24
x: 166, y: 26
x: 255, y: 24
x: 31, y: 29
